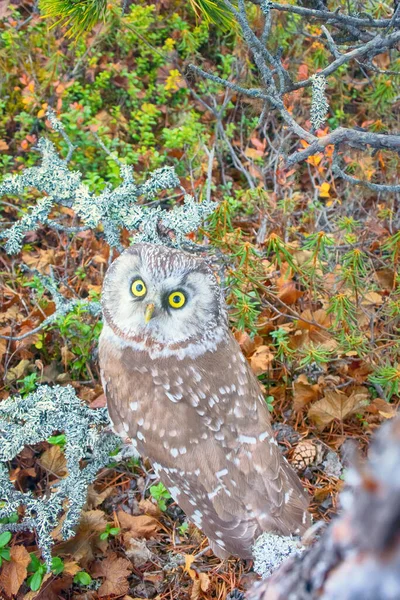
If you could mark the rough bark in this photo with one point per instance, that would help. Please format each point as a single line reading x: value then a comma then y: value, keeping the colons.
x: 358, y: 555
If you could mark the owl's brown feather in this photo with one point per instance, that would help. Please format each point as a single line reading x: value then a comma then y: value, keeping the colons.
x: 205, y: 426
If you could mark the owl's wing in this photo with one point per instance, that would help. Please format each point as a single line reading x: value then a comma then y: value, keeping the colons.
x: 205, y: 426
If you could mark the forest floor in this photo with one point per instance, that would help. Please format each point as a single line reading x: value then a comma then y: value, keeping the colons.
x: 311, y: 281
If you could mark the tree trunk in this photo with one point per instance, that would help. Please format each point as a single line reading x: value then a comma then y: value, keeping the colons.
x: 357, y: 557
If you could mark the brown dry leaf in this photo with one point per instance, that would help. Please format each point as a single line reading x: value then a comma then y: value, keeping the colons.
x: 4, y: 12
x: 245, y: 342
x: 18, y: 371
x: 115, y: 572
x: 304, y: 392
x: 94, y: 498
x: 261, y: 359
x: 200, y: 584
x: 138, y: 552
x: 71, y: 568
x: 383, y: 408
x: 317, y: 334
x: 385, y: 279
x: 86, y: 542
x: 189, y: 559
x: 289, y: 293
x: 3, y: 348
x: 371, y: 298
x: 41, y: 260
x: 149, y: 508
x: 14, y: 571
x: 140, y: 526
x: 53, y: 461
x: 336, y: 405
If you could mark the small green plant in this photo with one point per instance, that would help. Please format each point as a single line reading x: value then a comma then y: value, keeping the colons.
x: 58, y: 440
x: 160, y: 494
x: 388, y: 377
x: 37, y: 568
x: 109, y: 530
x: 183, y: 528
x: 28, y: 384
x: 82, y: 578
x: 5, y: 537
x: 13, y: 518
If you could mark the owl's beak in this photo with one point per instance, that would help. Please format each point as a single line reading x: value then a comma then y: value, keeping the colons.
x: 148, y: 312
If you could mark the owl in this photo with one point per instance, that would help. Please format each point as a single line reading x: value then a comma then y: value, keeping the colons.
x: 178, y: 386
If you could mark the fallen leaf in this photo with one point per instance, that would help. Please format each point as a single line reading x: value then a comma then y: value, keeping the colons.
x: 371, y: 298
x: 189, y: 559
x: 304, y: 392
x: 18, y: 371
x: 86, y: 542
x: 385, y: 278
x: 4, y: 12
x: 140, y: 526
x: 99, y: 402
x: 383, y: 408
x: 53, y: 461
x: 201, y: 584
x: 115, y: 572
x: 71, y: 568
x: 94, y: 498
x: 149, y: 508
x: 245, y: 342
x: 14, y: 571
x: 138, y: 552
x: 324, y: 190
x: 336, y: 405
x: 261, y: 359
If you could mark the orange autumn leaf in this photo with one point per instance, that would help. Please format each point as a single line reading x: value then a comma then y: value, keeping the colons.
x: 261, y: 359
x: 115, y: 572
x: 304, y: 392
x: 14, y: 571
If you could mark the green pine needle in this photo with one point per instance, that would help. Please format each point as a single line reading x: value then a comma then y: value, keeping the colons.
x: 214, y: 11
x: 79, y: 16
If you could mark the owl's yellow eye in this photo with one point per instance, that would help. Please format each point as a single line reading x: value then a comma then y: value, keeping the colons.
x: 138, y: 288
x: 177, y: 299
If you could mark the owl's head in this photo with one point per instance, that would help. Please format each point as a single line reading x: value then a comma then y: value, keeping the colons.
x: 155, y: 294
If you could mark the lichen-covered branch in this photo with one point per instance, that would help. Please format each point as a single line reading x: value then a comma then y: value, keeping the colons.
x: 369, y: 37
x: 33, y: 419
x: 114, y: 209
x: 358, y: 555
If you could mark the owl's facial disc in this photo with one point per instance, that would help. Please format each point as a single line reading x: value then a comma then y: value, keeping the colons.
x: 153, y: 292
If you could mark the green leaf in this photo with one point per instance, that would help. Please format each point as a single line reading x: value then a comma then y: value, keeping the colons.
x: 82, y: 578
x: 115, y: 530
x: 5, y: 553
x: 57, y: 440
x: 5, y: 537
x: 35, y: 563
x: 104, y: 535
x: 35, y: 581
x: 57, y: 565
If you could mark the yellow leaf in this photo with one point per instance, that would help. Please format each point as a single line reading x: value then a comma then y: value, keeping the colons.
x: 314, y: 159
x: 189, y: 558
x: 173, y: 80
x: 324, y: 190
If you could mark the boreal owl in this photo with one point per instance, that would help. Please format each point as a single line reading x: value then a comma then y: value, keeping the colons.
x: 178, y: 385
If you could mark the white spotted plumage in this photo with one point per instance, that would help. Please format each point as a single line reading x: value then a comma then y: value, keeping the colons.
x: 181, y: 388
